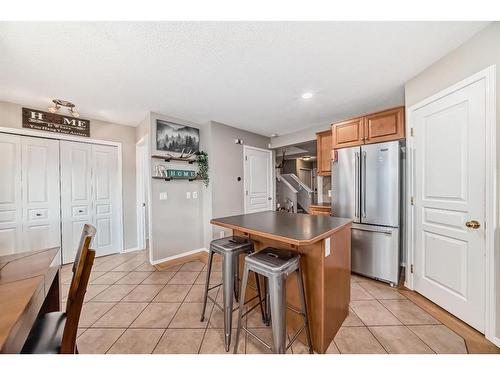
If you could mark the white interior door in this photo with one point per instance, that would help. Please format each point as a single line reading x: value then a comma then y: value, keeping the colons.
x: 258, y: 178
x: 76, y: 196
x: 105, y: 198
x: 41, y: 194
x: 10, y: 194
x: 449, y: 187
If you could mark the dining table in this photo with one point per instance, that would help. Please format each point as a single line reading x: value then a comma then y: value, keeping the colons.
x: 29, y: 286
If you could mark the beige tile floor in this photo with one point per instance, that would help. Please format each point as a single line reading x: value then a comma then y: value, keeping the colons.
x: 130, y: 307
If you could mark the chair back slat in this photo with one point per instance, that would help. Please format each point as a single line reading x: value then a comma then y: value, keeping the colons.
x: 81, y: 274
x: 88, y: 234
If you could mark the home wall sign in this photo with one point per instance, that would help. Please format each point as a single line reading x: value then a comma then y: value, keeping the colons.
x: 179, y: 173
x: 55, y: 123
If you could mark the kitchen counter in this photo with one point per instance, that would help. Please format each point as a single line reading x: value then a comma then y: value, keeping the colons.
x: 297, y: 229
x: 324, y: 244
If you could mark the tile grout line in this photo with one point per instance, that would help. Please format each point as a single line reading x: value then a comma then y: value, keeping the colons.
x: 178, y: 308
x: 126, y: 329
x: 403, y: 324
x: 211, y: 312
x: 176, y: 311
x: 180, y: 304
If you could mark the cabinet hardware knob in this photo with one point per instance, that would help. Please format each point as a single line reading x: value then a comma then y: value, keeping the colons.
x: 473, y: 224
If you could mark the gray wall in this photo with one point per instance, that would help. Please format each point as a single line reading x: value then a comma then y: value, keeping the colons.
x: 226, y: 164
x: 481, y: 51
x: 10, y: 117
x: 300, y: 136
x: 177, y: 224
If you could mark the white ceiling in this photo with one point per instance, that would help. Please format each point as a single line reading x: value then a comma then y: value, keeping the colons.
x: 246, y: 74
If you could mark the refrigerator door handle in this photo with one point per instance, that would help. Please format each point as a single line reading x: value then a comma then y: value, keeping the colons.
x: 356, y: 185
x: 363, y: 185
x: 388, y: 232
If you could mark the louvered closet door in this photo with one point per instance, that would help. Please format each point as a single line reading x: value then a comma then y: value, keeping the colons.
x: 40, y: 192
x: 76, y: 196
x: 10, y: 194
x: 105, y: 199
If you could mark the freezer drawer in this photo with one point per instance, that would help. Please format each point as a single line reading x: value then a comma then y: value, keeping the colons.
x: 375, y: 252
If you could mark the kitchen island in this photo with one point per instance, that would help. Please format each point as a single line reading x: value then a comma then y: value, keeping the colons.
x: 324, y: 243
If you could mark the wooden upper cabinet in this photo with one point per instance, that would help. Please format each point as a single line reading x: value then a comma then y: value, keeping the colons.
x: 348, y: 133
x: 376, y: 127
x: 385, y: 126
x: 324, y: 152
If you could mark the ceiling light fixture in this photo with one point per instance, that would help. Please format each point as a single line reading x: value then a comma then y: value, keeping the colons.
x: 307, y: 95
x: 306, y: 158
x: 58, y: 103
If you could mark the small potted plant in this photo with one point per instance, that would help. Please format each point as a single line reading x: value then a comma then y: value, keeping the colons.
x: 202, y: 160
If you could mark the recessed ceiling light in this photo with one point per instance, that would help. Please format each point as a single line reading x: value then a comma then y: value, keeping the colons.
x: 274, y: 135
x: 307, y: 95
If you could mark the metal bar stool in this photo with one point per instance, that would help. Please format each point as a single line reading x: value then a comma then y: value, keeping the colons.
x: 230, y: 248
x: 275, y: 265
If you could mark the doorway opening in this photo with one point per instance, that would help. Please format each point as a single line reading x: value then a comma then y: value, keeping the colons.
x: 297, y: 184
x: 142, y: 188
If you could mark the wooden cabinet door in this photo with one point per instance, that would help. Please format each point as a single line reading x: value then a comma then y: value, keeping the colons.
x: 384, y: 126
x: 324, y: 151
x: 348, y: 133
x: 320, y: 211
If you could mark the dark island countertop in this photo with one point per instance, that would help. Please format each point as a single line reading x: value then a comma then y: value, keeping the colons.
x: 296, y: 229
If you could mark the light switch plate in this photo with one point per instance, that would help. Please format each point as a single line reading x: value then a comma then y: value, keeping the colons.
x: 188, y: 195
x: 163, y: 196
x: 195, y: 195
x: 327, y: 247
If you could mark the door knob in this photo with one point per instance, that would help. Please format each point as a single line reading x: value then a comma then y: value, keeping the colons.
x: 473, y: 224
x: 269, y: 198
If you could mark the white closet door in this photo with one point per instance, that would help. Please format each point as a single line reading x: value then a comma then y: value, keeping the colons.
x: 105, y: 197
x: 76, y: 196
x: 89, y: 183
x: 10, y: 194
x: 40, y: 191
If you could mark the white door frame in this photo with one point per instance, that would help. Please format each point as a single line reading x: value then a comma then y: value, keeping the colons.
x: 142, y: 168
x: 271, y: 176
x: 63, y: 137
x: 491, y: 215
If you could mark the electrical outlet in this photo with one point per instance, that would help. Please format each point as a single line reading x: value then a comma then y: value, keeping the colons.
x: 222, y: 234
x: 327, y: 247
x: 163, y: 196
x: 188, y: 195
x: 195, y: 195
x: 329, y: 193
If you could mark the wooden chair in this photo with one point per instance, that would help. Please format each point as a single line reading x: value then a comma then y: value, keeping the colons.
x: 55, y: 333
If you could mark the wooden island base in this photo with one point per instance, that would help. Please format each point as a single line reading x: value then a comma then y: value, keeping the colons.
x: 327, y: 283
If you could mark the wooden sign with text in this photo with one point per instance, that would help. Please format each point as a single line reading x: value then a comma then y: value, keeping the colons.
x: 55, y: 123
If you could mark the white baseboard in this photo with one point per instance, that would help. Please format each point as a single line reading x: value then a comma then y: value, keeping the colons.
x: 179, y: 255
x: 494, y: 340
x: 130, y: 250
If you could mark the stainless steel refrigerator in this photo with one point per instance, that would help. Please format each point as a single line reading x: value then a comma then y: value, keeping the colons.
x: 367, y: 187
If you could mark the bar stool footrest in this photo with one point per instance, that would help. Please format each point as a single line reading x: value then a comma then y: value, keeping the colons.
x: 295, y: 336
x: 257, y: 338
x: 296, y: 311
